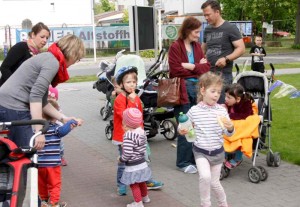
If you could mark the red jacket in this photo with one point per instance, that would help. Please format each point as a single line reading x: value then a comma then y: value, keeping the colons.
x: 178, y: 55
x: 120, y: 106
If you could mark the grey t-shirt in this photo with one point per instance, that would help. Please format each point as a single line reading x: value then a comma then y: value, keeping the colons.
x: 219, y: 43
x: 30, y: 83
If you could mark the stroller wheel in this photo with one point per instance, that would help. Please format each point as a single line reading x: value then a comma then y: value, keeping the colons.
x: 254, y: 175
x: 270, y: 159
x: 169, y: 129
x: 101, y: 111
x: 277, y: 159
x: 227, y: 172
x: 224, y: 172
x: 108, y: 132
x: 106, y: 112
x: 264, y: 173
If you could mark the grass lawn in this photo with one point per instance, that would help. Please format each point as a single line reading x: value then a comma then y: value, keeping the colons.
x: 267, y: 66
x: 82, y: 79
x: 285, y: 128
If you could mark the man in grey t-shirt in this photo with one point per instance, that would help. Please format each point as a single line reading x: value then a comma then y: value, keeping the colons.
x: 222, y: 43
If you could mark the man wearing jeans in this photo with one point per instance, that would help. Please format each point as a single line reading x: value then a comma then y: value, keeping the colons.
x: 222, y: 42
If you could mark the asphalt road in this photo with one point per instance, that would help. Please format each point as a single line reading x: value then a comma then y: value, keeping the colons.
x: 88, y: 67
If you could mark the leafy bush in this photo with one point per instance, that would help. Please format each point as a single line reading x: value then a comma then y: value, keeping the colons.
x: 273, y: 44
x: 296, y: 46
x: 147, y: 53
x: 1, y: 54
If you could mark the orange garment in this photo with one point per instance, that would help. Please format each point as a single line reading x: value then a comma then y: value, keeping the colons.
x: 49, y: 183
x: 245, y: 131
x: 119, y: 106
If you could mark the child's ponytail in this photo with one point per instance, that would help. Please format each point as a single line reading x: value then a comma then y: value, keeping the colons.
x: 247, y: 96
x: 237, y: 91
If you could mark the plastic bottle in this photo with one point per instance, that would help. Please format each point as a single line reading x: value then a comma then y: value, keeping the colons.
x: 185, y: 123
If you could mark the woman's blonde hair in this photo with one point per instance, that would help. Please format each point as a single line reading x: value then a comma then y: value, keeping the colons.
x: 206, y: 80
x: 72, y: 47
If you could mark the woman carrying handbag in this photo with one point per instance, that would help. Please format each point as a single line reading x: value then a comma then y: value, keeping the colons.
x: 187, y: 61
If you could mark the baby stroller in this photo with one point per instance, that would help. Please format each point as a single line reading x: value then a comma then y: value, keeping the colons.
x: 104, y: 84
x: 258, y: 85
x: 14, y: 163
x: 155, y: 121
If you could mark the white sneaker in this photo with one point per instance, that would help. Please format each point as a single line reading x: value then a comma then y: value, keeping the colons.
x: 135, y: 204
x: 191, y: 169
x: 146, y: 199
x: 44, y: 204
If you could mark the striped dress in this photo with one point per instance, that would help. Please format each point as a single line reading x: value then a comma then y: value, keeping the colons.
x: 133, y: 154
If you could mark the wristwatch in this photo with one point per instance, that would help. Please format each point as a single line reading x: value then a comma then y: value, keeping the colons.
x: 227, y: 60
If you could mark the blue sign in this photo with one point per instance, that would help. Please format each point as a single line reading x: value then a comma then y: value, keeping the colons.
x: 111, y: 33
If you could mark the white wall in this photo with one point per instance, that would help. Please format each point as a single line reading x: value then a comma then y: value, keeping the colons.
x: 183, y: 6
x: 127, y: 3
x: 13, y: 12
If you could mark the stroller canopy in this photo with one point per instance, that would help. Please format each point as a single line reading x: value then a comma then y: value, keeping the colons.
x: 133, y: 60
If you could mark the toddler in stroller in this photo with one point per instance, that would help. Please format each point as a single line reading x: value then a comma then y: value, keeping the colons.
x: 239, y: 106
x: 251, y: 133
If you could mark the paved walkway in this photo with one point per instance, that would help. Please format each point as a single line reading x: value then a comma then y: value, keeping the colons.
x: 89, y: 178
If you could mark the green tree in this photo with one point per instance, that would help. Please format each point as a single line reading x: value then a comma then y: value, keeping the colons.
x: 260, y: 11
x: 97, y: 8
x: 125, y: 16
x: 103, y: 6
x: 106, y: 6
x: 150, y: 2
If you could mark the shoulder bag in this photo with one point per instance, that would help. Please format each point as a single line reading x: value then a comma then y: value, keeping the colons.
x: 168, y: 92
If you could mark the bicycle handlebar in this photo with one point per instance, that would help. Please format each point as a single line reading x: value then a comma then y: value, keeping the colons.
x: 30, y: 122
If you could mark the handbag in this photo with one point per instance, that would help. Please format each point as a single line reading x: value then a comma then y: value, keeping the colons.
x: 168, y: 92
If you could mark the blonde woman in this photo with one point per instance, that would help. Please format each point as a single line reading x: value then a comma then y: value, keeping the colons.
x: 24, y: 94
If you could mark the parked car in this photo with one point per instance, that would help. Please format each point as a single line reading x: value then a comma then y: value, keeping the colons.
x: 281, y: 34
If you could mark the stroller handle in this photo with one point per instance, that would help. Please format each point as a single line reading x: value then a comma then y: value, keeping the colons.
x: 273, y: 69
x: 157, y: 63
x: 30, y: 122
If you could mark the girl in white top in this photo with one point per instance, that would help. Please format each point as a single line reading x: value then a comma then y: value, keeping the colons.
x: 210, y: 121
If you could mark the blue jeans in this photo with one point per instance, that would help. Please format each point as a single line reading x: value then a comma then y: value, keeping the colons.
x: 20, y: 135
x: 185, y: 156
x: 227, y: 77
x: 120, y: 170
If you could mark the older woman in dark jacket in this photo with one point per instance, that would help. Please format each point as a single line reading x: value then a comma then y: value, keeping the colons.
x: 187, y: 61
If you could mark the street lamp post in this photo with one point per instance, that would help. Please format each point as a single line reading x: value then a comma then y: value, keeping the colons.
x: 94, y: 29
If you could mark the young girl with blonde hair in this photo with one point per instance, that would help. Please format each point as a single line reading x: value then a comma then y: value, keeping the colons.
x: 210, y: 121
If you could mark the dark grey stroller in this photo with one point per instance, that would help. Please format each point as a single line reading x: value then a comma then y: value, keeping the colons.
x: 258, y: 85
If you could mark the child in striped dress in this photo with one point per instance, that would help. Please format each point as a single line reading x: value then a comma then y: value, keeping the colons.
x: 49, y: 162
x: 136, y: 171
x: 211, y: 121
